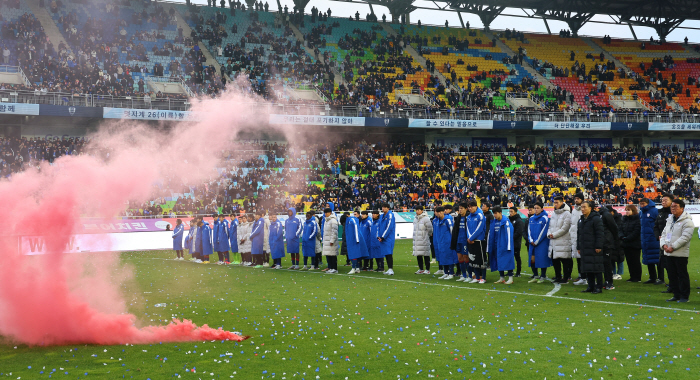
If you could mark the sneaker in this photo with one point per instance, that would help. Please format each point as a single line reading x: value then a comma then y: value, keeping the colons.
x: 219, y: 263
x: 542, y: 280
x: 420, y: 271
x: 352, y: 271
x: 617, y: 277
x: 461, y: 279
x: 316, y: 268
x: 562, y: 282
x: 266, y: 264
x: 433, y: 261
x: 326, y: 269
x: 510, y: 281
x: 482, y: 281
x: 649, y: 281
x: 305, y: 268
x: 426, y: 272
x: 292, y: 267
x: 659, y: 282
x: 379, y: 270
x: 193, y: 259
x: 609, y: 287
x: 389, y: 272
x: 198, y: 261
x: 449, y: 277
x: 205, y: 262
x: 516, y: 275
x: 474, y: 281
x: 534, y: 279
x: 258, y: 266
x: 501, y: 281
x: 443, y: 277
x: 277, y: 267
x: 582, y: 281
x: 332, y: 271
x: 440, y: 272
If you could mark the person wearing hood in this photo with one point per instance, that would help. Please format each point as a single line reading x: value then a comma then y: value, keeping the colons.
x: 590, y: 240
x: 190, y: 240
x: 422, y: 230
x: 649, y: 241
x: 560, y: 241
x: 244, y: 243
x: 499, y: 246
x: 178, y: 233
x: 357, y: 248
x: 387, y: 236
x: 375, y: 246
x: 308, y: 240
x: 611, y: 235
x: 293, y: 228
x: 330, y: 240
x: 205, y: 244
x: 659, y: 226
x: 675, y: 241
x: 233, y: 238
x: 343, y: 243
x: 538, y: 253
x: 365, y: 229
x: 518, y: 227
x: 630, y: 237
x: 476, y: 235
x: 257, y: 240
x: 221, y: 240
x: 573, y: 231
x: 266, y: 240
x: 488, y: 215
x: 276, y: 240
x: 442, y: 237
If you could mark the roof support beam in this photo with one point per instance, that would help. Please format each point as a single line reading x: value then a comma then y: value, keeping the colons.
x: 633, y: 33
x: 487, y: 13
x: 662, y: 26
x: 574, y: 20
x: 546, y: 24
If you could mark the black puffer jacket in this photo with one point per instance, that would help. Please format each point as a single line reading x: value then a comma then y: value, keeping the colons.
x: 591, y: 236
x: 611, y: 234
x: 660, y: 223
x: 630, y: 232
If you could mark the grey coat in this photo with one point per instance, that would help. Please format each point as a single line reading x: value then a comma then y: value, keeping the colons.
x: 422, y: 230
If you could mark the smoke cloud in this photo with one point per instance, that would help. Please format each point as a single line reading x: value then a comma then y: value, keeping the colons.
x: 53, y: 299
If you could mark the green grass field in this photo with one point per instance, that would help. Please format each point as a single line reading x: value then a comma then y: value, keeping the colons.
x: 309, y: 325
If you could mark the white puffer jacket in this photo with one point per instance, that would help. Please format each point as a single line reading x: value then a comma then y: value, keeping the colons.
x: 330, y: 236
x: 319, y: 239
x: 244, y: 230
x: 559, y: 227
x: 422, y: 229
x: 266, y: 234
x: 573, y: 235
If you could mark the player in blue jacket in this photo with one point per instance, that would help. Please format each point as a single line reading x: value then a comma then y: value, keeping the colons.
x: 233, y: 238
x: 221, y: 240
x: 538, y: 252
x: 293, y: 229
x: 308, y: 240
x: 276, y: 240
x: 387, y: 236
x: 375, y: 248
x: 204, y: 242
x: 476, y: 233
x: 257, y: 239
x: 190, y: 240
x: 365, y: 227
x: 357, y: 248
x: 442, y: 238
x: 178, y: 233
x: 500, y: 246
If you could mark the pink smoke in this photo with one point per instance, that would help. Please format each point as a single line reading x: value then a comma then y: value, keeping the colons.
x: 59, y: 298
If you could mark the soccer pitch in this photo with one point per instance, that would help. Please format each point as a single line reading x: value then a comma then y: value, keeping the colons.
x: 312, y: 325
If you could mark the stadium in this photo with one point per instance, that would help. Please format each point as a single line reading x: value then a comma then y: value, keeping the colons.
x: 349, y: 189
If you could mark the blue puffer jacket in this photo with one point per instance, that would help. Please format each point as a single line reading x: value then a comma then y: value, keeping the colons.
x: 276, y: 239
x: 233, y: 235
x: 539, y: 242
x: 293, y: 229
x: 650, y: 243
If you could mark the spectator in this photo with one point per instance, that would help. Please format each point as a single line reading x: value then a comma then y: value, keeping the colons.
x: 675, y: 241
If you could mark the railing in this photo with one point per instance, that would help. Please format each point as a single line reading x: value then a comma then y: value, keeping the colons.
x: 178, y: 80
x: 92, y: 100
x: 15, y: 70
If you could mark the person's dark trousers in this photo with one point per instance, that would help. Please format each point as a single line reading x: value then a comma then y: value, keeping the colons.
x: 661, y: 264
x: 332, y: 262
x: 608, y: 268
x: 557, y: 264
x: 368, y: 264
x: 678, y: 280
x: 595, y: 281
x: 518, y: 260
x: 654, y: 272
x: 380, y: 265
x: 567, y: 266
x: 423, y: 261
x: 634, y: 265
x: 580, y: 274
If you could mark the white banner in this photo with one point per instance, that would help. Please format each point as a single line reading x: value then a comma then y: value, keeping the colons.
x: 674, y: 126
x: 571, y: 125
x: 456, y: 124
x: 139, y: 114
x: 19, y: 109
x: 317, y: 120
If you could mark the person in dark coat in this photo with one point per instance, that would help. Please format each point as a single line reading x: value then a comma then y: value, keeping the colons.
x: 618, y: 256
x: 630, y: 238
x: 590, y: 242
x: 518, y: 227
x: 343, y: 245
x: 659, y: 226
x: 609, y: 248
x: 650, y: 242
